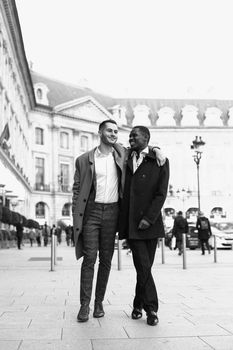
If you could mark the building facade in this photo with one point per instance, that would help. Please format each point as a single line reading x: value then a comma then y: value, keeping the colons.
x: 52, y: 122
x: 16, y: 102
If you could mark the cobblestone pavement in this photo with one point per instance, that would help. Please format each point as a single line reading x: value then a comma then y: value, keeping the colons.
x: 38, y: 308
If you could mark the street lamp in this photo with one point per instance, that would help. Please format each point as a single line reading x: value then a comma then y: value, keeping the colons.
x: 198, y: 143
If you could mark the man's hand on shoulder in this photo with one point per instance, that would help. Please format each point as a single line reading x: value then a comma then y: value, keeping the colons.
x: 160, y: 157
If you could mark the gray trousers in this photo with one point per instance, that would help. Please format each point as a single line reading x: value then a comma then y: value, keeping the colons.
x: 99, y: 231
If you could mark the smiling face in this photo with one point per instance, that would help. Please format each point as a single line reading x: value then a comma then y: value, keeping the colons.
x: 109, y: 134
x: 138, y: 140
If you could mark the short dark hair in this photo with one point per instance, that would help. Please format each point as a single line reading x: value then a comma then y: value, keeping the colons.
x: 102, y: 124
x: 180, y: 212
x: 144, y: 130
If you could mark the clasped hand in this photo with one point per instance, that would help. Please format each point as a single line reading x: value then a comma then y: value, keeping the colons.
x: 143, y: 224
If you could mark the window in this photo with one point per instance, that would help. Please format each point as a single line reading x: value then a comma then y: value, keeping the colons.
x: 40, y: 210
x: 39, y: 136
x: 39, y: 171
x: 64, y: 140
x: 84, y: 143
x: 66, y: 209
x: 39, y: 94
x: 64, y: 177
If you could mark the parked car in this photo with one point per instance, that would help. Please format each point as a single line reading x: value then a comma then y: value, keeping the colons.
x: 223, y: 238
x: 192, y: 241
x: 225, y: 226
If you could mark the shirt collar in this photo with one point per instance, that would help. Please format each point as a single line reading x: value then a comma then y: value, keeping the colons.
x: 144, y: 152
x: 99, y: 154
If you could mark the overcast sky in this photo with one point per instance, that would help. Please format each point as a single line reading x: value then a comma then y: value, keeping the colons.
x: 140, y: 48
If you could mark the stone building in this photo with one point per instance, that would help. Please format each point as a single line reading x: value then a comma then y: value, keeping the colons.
x: 51, y: 123
x: 16, y: 101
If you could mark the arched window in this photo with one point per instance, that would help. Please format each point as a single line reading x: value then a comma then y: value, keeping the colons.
x: 39, y: 94
x: 217, y: 212
x: 66, y: 209
x: 192, y: 214
x: 40, y: 210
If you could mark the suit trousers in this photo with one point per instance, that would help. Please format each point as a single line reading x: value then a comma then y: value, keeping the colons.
x: 143, y: 252
x: 98, y: 234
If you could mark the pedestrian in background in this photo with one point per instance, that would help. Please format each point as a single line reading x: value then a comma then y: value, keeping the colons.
x: 204, y: 232
x: 45, y: 234
x: 31, y: 236
x: 38, y: 236
x: 19, y: 234
x: 53, y: 230
x: 180, y: 226
x: 68, y: 231
x: 140, y: 221
x: 58, y: 233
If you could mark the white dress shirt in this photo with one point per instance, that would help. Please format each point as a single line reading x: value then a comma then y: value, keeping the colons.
x: 138, y: 160
x: 106, y: 178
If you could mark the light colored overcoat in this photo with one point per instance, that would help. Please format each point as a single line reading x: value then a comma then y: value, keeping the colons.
x: 84, y: 179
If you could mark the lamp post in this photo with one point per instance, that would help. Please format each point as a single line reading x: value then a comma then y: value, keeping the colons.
x: 196, y: 146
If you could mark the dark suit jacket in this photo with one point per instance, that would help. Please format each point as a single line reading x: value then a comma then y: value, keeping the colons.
x: 144, y: 194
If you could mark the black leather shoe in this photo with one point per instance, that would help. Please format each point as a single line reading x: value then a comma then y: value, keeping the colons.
x: 83, y: 315
x: 98, y: 310
x: 152, y: 318
x: 136, y: 314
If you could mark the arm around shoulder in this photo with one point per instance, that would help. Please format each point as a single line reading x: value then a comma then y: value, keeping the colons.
x: 160, y: 157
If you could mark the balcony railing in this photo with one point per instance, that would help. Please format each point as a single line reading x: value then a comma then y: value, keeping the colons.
x: 42, y: 187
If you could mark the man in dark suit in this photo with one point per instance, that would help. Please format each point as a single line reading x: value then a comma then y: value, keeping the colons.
x: 141, y: 221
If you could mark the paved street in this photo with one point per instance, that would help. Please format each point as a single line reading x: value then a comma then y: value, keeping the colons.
x: 38, y: 308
